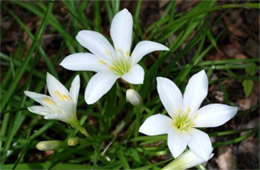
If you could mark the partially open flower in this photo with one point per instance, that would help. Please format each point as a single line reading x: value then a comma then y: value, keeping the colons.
x: 185, y: 116
x: 110, y: 63
x: 185, y: 161
x: 61, y: 104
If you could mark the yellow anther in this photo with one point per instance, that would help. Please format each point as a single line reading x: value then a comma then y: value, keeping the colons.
x: 49, y: 101
x: 66, y: 97
x: 118, y: 49
x: 188, y: 110
x: 59, y: 95
x: 112, y: 67
x: 102, y: 62
x: 107, y: 52
x: 119, y: 67
x: 127, y: 54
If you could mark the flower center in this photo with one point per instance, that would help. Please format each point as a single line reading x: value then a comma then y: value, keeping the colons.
x: 183, y: 121
x: 121, y: 66
x: 121, y: 63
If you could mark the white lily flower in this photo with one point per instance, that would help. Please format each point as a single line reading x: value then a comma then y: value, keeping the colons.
x: 110, y: 63
x: 61, y: 104
x: 185, y: 116
x: 185, y: 161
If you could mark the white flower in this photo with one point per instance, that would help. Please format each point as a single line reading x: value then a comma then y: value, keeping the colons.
x: 186, y: 116
x: 61, y: 104
x: 133, y: 97
x: 110, y: 63
x: 185, y: 161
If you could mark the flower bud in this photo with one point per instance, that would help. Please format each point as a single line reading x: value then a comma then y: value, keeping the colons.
x: 50, y: 145
x: 133, y: 97
x: 185, y: 161
x: 73, y: 141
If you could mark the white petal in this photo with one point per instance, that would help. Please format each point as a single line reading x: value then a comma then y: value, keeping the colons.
x: 53, y: 116
x: 170, y: 95
x: 214, y: 115
x: 187, y: 160
x: 96, y: 43
x: 145, y: 47
x: 156, y: 125
x: 39, y: 110
x: 74, y: 89
x: 195, y: 92
x: 135, y: 75
x: 82, y: 62
x: 40, y: 98
x: 200, y: 144
x: 177, y: 141
x: 121, y: 30
x: 99, y: 85
x: 44, y: 100
x: 55, y: 88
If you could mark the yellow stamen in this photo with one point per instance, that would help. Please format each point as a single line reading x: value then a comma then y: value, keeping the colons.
x: 58, y: 94
x: 127, y: 54
x: 66, y: 97
x: 102, y: 62
x: 49, y: 101
x: 119, y: 67
x: 118, y: 49
x: 112, y: 67
x: 107, y: 52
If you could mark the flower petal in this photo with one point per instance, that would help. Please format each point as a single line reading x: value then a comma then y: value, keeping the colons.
x: 121, y: 31
x: 39, y: 110
x: 40, y: 98
x: 185, y: 161
x: 135, y: 75
x: 145, y: 47
x: 74, y: 89
x: 83, y: 62
x: 96, y: 43
x: 99, y: 85
x: 55, y: 88
x: 214, y: 115
x: 195, y: 92
x: 200, y: 144
x: 156, y: 125
x: 170, y: 95
x: 177, y: 141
